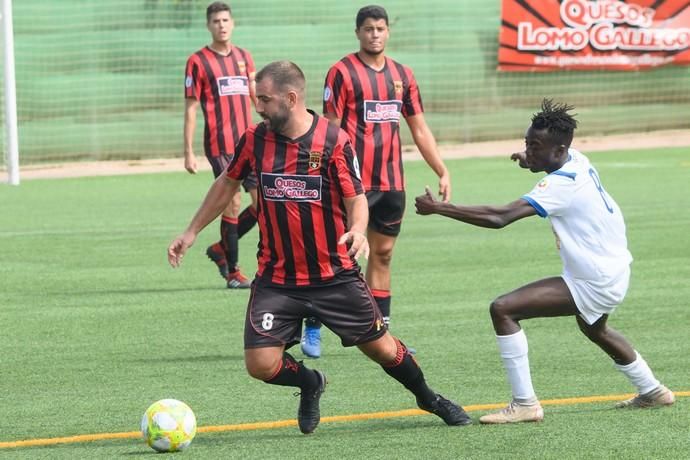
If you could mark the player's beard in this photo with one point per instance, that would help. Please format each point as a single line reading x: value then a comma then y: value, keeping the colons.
x: 278, y: 121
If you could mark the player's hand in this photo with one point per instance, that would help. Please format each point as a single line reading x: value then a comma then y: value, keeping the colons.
x: 521, y: 158
x: 444, y: 188
x: 179, y: 247
x: 190, y: 163
x: 425, y: 204
x: 358, y: 243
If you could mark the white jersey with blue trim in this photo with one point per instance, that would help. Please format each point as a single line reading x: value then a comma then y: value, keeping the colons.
x: 587, y: 222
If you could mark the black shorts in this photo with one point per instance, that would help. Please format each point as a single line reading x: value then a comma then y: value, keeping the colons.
x: 220, y: 163
x: 275, y: 314
x: 386, y: 210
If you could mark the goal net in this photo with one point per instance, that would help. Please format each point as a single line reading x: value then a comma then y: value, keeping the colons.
x: 104, y: 80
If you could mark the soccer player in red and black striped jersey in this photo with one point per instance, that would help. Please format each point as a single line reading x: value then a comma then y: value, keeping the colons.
x: 220, y: 79
x: 366, y: 93
x: 312, y: 216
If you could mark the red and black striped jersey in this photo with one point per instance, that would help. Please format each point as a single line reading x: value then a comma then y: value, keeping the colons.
x: 301, y: 212
x: 221, y: 85
x: 369, y: 104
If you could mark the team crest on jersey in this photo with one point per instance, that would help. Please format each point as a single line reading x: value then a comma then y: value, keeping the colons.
x: 290, y: 187
x: 382, y: 111
x: 188, y: 81
x: 314, y: 160
x: 327, y: 93
x: 231, y: 86
x: 242, y: 66
x: 543, y: 184
x: 398, y: 86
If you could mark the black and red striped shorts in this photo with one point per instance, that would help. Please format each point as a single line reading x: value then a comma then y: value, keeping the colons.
x: 386, y: 210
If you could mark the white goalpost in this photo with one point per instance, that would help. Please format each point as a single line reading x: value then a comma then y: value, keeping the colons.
x: 10, y: 95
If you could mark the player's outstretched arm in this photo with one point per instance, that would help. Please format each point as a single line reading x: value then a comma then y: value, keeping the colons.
x: 426, y: 143
x: 521, y: 158
x: 481, y: 216
x: 216, y: 200
x: 357, y: 217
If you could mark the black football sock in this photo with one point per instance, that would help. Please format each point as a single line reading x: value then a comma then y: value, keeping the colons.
x: 292, y: 373
x: 383, y: 300
x: 246, y: 221
x: 405, y: 370
x: 228, y: 235
x: 312, y: 321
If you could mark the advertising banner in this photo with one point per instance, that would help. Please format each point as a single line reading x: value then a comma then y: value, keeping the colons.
x: 548, y: 35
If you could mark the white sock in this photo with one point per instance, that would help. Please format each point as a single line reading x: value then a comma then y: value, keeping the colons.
x: 639, y: 374
x: 514, y: 350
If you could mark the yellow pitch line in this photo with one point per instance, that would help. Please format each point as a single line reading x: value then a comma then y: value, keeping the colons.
x: 288, y: 423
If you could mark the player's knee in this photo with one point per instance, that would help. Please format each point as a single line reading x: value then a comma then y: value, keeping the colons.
x: 261, y: 370
x: 381, y: 356
x: 595, y: 334
x: 499, y: 308
x: 383, y: 256
x: 382, y: 350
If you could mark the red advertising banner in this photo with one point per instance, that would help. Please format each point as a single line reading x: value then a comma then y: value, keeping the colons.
x: 547, y: 35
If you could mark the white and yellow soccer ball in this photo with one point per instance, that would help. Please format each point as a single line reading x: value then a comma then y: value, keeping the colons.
x: 168, y: 425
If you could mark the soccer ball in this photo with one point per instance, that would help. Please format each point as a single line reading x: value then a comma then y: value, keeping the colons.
x: 168, y: 425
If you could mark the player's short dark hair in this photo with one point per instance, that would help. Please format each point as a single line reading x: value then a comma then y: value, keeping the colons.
x: 217, y: 7
x: 370, y: 11
x: 554, y: 118
x: 284, y: 75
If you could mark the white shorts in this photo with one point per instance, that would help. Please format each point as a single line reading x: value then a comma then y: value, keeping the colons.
x: 595, y: 298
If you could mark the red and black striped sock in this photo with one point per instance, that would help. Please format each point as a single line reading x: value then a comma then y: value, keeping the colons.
x: 246, y: 221
x: 405, y: 370
x: 229, y: 238
x: 292, y: 373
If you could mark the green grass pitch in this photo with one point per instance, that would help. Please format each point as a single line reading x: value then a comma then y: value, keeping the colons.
x: 96, y: 326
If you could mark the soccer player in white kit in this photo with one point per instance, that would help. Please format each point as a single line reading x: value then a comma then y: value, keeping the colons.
x: 590, y: 236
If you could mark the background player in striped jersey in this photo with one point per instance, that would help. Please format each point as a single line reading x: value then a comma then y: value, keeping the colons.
x: 366, y: 93
x: 220, y: 79
x: 590, y: 236
x: 312, y: 216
